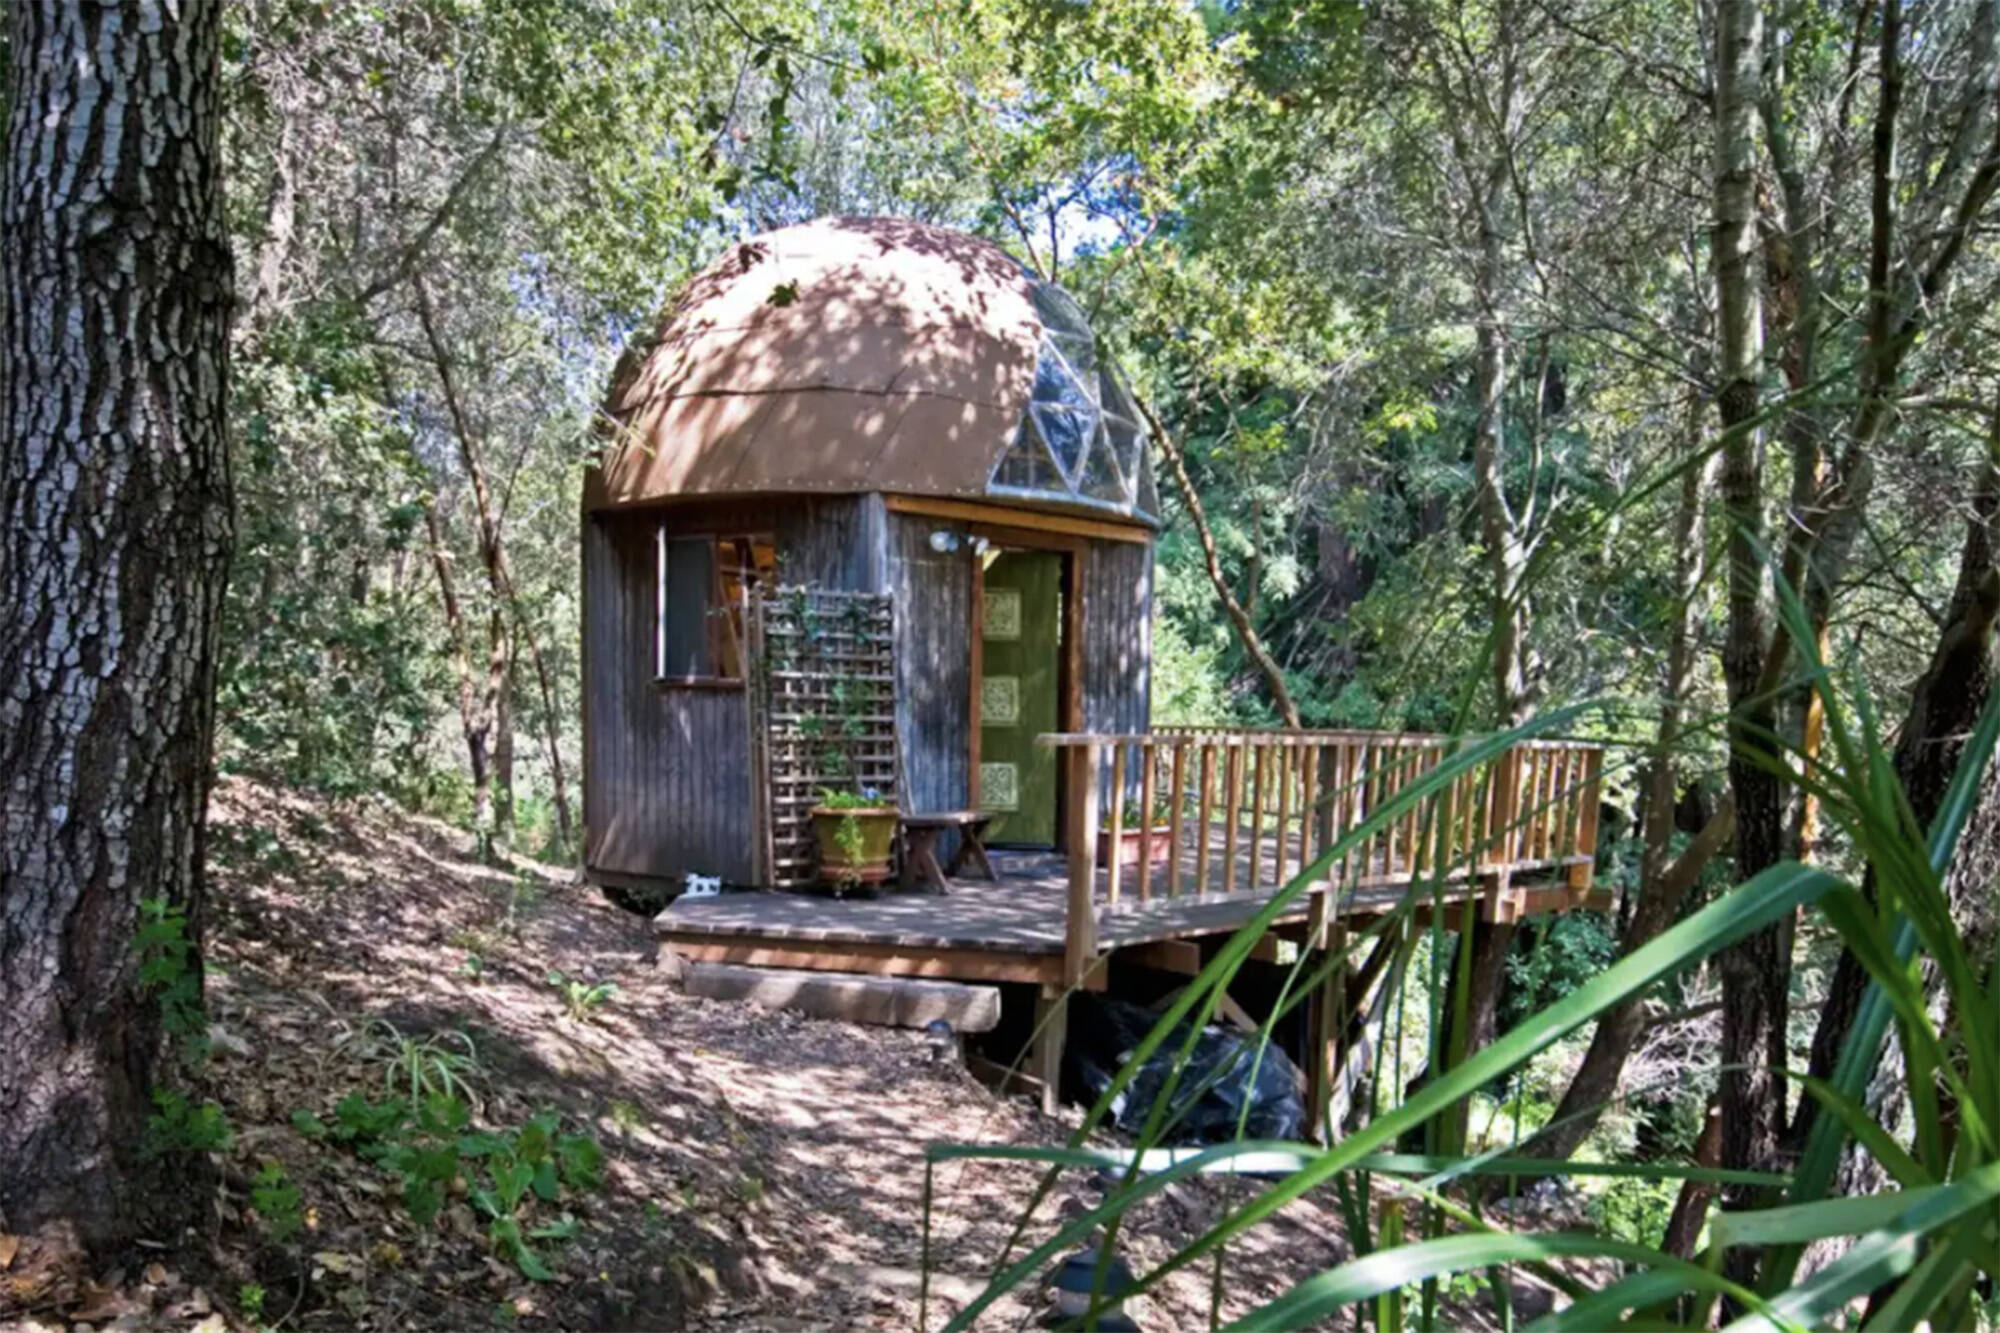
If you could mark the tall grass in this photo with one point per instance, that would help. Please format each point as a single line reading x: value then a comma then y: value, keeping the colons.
x: 1913, y: 1252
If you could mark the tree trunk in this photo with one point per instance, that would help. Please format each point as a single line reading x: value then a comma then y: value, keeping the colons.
x: 503, y: 760
x: 115, y: 293
x: 1663, y: 887
x: 493, y: 554
x: 1944, y: 707
x: 1246, y: 631
x: 1754, y: 971
x: 476, y: 706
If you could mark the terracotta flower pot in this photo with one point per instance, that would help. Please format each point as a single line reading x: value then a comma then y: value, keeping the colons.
x: 1128, y: 845
x: 864, y: 863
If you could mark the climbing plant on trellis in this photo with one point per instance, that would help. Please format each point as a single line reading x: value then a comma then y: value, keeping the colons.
x: 823, y: 713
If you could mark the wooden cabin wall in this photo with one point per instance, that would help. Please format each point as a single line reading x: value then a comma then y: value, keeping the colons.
x: 666, y: 770
x: 1118, y: 637
x: 838, y: 542
x: 934, y: 619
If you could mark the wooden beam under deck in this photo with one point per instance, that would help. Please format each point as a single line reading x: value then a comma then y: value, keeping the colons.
x: 882, y: 960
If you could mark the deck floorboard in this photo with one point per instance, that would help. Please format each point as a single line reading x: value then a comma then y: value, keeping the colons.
x: 1021, y: 914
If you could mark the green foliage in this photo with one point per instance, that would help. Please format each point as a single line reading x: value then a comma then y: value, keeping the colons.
x: 1561, y: 954
x: 179, y: 1125
x: 433, y: 1151
x: 168, y: 970
x: 869, y: 799
x: 1635, y: 1210
x: 277, y: 1202
x: 581, y: 999
x: 418, y: 1067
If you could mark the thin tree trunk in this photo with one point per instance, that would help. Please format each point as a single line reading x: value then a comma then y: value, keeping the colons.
x: 1663, y: 887
x: 492, y: 548
x: 1274, y: 676
x: 1754, y: 971
x: 476, y: 706
x: 503, y: 761
x: 1944, y: 706
x: 115, y: 293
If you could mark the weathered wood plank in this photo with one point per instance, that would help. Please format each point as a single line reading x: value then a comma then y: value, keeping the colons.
x: 906, y: 1002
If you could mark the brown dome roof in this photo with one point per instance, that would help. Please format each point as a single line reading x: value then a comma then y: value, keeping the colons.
x: 849, y: 354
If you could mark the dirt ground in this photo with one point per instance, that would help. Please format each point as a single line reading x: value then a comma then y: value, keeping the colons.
x: 764, y: 1170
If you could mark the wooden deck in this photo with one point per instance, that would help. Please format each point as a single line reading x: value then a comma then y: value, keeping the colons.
x: 1021, y: 920
x: 1240, y: 814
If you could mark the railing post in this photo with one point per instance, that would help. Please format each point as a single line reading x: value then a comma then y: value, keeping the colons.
x: 1080, y: 924
x: 1584, y: 873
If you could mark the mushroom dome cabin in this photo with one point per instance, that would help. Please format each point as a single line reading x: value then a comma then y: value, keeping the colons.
x: 889, y: 412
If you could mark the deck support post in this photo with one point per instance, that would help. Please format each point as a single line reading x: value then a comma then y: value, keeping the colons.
x: 1497, y: 900
x: 1045, y: 1055
x: 1324, y: 1019
x: 1080, y: 920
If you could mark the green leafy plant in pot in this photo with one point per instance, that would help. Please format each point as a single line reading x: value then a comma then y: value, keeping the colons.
x: 856, y: 833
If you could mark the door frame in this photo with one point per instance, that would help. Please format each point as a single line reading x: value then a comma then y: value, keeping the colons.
x: 1075, y: 552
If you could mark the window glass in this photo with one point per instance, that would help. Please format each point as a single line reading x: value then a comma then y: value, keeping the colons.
x: 1080, y: 439
x: 702, y: 584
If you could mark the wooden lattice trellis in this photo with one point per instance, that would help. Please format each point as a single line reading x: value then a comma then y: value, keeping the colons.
x: 823, y: 713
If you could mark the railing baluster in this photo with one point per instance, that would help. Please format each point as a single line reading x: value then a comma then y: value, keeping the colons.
x: 1309, y: 805
x: 1146, y: 821
x: 1285, y: 767
x: 1080, y: 909
x: 1232, y: 787
x: 1115, y: 853
x: 1179, y: 798
x: 1355, y: 866
x: 1260, y: 761
x: 1560, y: 807
x: 1593, y: 781
x: 1544, y: 788
x: 1207, y: 816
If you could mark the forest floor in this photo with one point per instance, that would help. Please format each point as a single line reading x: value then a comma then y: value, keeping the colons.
x: 763, y: 1170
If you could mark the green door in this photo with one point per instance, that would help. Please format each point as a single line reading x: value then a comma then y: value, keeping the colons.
x: 1020, y: 680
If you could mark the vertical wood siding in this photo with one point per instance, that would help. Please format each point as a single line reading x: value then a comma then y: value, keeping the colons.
x: 933, y: 595
x: 1118, y: 637
x: 666, y: 782
x: 837, y: 542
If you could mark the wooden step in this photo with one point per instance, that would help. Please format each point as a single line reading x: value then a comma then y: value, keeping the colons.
x: 904, y: 1002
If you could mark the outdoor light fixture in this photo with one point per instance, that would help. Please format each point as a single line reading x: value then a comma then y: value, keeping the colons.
x: 1075, y: 1280
x: 944, y: 539
x: 979, y: 545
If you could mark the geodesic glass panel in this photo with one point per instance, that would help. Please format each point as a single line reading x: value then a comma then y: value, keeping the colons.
x: 1080, y: 439
x: 1066, y: 432
x: 1058, y: 384
x: 1102, y: 478
x: 1027, y: 466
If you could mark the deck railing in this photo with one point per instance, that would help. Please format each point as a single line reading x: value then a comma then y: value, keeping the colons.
x: 1248, y: 810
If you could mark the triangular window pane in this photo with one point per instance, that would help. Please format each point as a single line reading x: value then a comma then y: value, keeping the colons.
x: 1111, y: 392
x: 1102, y: 479
x: 1067, y: 432
x: 1058, y: 311
x: 1027, y: 465
x: 1055, y: 382
x: 1080, y: 352
x: 1126, y: 442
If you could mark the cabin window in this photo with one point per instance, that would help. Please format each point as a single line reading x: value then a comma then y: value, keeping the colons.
x: 702, y: 583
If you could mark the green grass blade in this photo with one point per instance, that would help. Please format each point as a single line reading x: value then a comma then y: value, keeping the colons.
x: 1883, y: 1254
x: 1768, y: 897
x: 1324, y: 1294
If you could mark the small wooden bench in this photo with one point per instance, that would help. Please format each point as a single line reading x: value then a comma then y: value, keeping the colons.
x: 920, y: 835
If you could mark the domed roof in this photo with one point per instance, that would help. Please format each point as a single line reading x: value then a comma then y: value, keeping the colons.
x: 873, y: 354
